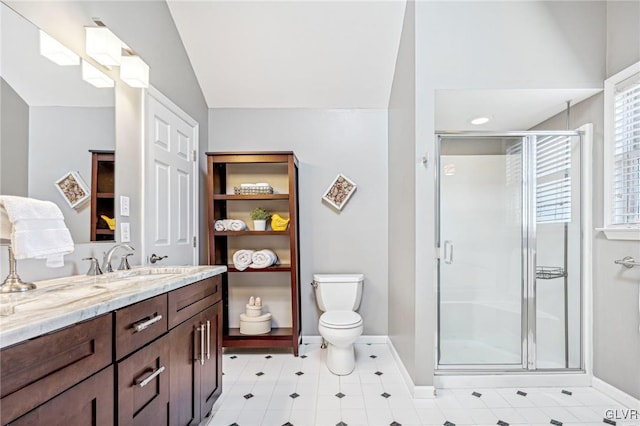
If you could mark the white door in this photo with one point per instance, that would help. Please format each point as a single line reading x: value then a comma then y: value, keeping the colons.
x: 170, y: 182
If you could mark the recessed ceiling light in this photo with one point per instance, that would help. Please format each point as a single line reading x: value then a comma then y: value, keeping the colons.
x: 480, y: 120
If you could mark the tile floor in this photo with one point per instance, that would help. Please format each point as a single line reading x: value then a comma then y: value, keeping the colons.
x: 276, y: 389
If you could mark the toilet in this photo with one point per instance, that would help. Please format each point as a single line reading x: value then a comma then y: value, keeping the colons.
x: 338, y: 296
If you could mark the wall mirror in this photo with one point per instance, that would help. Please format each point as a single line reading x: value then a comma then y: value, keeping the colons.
x: 51, y: 120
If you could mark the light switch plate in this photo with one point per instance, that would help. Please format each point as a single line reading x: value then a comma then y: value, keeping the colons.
x: 124, y: 205
x: 125, y: 233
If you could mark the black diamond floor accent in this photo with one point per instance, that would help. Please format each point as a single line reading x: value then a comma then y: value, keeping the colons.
x: 341, y: 424
x: 502, y: 423
x: 288, y: 424
x: 394, y: 423
x: 303, y: 356
x: 609, y: 422
x: 476, y: 394
x: 448, y: 423
x: 373, y: 356
x: 555, y: 422
x: 299, y: 373
x: 259, y: 373
x: 378, y: 373
x: 233, y: 357
x: 385, y: 395
x: 294, y: 395
x: 248, y: 396
x: 268, y: 357
x: 368, y: 344
x: 566, y: 392
x: 233, y: 424
x: 340, y: 395
x: 521, y: 393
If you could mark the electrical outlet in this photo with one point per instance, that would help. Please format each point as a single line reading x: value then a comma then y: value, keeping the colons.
x: 125, y: 232
x: 124, y: 206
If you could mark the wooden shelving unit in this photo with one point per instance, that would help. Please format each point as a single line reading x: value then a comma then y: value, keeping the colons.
x: 225, y: 170
x: 102, y: 194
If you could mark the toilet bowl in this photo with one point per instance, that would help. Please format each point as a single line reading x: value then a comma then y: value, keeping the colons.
x: 340, y: 329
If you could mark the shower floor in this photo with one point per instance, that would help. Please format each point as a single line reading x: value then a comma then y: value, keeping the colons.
x: 461, y: 352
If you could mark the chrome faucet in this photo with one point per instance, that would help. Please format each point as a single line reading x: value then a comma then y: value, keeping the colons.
x: 106, y: 260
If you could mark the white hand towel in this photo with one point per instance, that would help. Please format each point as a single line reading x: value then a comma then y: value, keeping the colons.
x: 242, y: 259
x: 263, y: 259
x: 37, y: 230
x: 237, y: 225
x: 219, y: 225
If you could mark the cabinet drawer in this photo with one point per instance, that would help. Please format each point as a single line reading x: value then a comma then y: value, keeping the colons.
x: 139, y: 324
x: 187, y: 301
x: 39, y: 369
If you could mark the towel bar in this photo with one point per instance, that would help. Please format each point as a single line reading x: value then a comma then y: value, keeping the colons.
x: 627, y: 262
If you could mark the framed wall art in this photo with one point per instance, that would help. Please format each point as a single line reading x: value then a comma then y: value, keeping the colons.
x: 73, y: 189
x: 339, y: 192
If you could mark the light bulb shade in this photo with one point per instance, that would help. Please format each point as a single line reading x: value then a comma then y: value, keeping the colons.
x: 55, y: 51
x: 103, y: 46
x: 134, y: 71
x: 94, y: 76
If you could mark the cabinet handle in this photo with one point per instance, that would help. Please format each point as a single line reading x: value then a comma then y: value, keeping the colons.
x: 139, y: 326
x: 201, y: 344
x: 144, y: 382
x: 208, y: 339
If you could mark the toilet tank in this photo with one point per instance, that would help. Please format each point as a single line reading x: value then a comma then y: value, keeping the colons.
x: 338, y: 292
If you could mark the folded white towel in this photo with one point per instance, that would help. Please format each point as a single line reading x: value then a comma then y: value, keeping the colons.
x: 242, y: 259
x: 230, y: 225
x: 5, y: 225
x: 37, y: 230
x: 263, y: 259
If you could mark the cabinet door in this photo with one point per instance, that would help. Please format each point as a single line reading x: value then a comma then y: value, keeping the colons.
x: 184, y: 377
x: 211, y: 370
x: 143, y: 386
x: 89, y: 403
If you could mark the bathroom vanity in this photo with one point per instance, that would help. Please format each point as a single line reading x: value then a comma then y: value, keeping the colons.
x: 136, y: 347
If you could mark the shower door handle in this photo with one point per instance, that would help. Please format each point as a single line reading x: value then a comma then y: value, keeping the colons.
x: 448, y: 252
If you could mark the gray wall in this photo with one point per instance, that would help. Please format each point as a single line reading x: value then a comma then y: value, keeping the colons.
x: 148, y: 28
x: 402, y: 139
x: 623, y: 35
x: 14, y: 130
x: 327, y: 142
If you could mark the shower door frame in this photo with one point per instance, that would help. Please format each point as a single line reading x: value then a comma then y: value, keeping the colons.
x: 528, y: 256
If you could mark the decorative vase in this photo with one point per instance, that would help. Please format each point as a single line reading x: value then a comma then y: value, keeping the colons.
x: 259, y: 225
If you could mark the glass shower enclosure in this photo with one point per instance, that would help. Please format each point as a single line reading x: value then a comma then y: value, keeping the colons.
x: 509, y: 239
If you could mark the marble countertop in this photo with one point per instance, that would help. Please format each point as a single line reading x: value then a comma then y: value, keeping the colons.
x: 60, y: 302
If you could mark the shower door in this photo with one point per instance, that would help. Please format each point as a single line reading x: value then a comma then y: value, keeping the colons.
x: 505, y: 202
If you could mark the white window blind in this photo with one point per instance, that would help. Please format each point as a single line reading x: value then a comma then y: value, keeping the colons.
x: 553, y: 179
x: 626, y: 153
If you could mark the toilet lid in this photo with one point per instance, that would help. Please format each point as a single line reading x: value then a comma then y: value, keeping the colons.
x: 341, y: 319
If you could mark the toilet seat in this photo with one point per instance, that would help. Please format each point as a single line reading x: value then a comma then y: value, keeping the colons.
x: 340, y: 319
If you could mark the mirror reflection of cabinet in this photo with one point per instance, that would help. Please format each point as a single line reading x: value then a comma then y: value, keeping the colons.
x: 102, y: 195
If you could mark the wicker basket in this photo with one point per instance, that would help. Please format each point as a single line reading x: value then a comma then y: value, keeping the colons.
x: 252, y: 190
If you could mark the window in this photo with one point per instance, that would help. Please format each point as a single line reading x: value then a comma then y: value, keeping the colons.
x: 622, y: 154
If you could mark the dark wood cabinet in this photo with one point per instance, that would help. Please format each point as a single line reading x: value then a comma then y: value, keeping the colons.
x: 196, y: 366
x: 102, y: 194
x: 226, y: 172
x: 143, y: 386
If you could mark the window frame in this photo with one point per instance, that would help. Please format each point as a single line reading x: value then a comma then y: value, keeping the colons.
x: 614, y: 231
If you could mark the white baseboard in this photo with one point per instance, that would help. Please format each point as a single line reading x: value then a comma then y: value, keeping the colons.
x: 615, y: 393
x: 373, y: 339
x: 418, y: 392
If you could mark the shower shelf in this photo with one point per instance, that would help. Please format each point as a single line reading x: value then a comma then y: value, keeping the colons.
x: 549, y: 272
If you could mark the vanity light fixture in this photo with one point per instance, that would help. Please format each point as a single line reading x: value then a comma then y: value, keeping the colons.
x: 134, y: 71
x: 103, y: 46
x: 480, y: 120
x: 93, y: 76
x: 56, y: 52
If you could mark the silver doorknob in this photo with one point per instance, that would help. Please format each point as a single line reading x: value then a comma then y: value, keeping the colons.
x: 155, y: 258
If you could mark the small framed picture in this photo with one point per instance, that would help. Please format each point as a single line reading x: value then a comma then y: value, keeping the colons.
x: 339, y: 192
x: 73, y: 189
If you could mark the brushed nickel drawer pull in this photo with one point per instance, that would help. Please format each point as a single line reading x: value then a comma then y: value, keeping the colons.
x: 139, y: 326
x: 201, y: 344
x: 144, y: 382
x: 208, y: 339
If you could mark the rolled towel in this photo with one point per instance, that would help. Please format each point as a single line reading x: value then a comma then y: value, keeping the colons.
x: 263, y: 259
x: 242, y: 259
x: 219, y: 225
x: 236, y: 225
